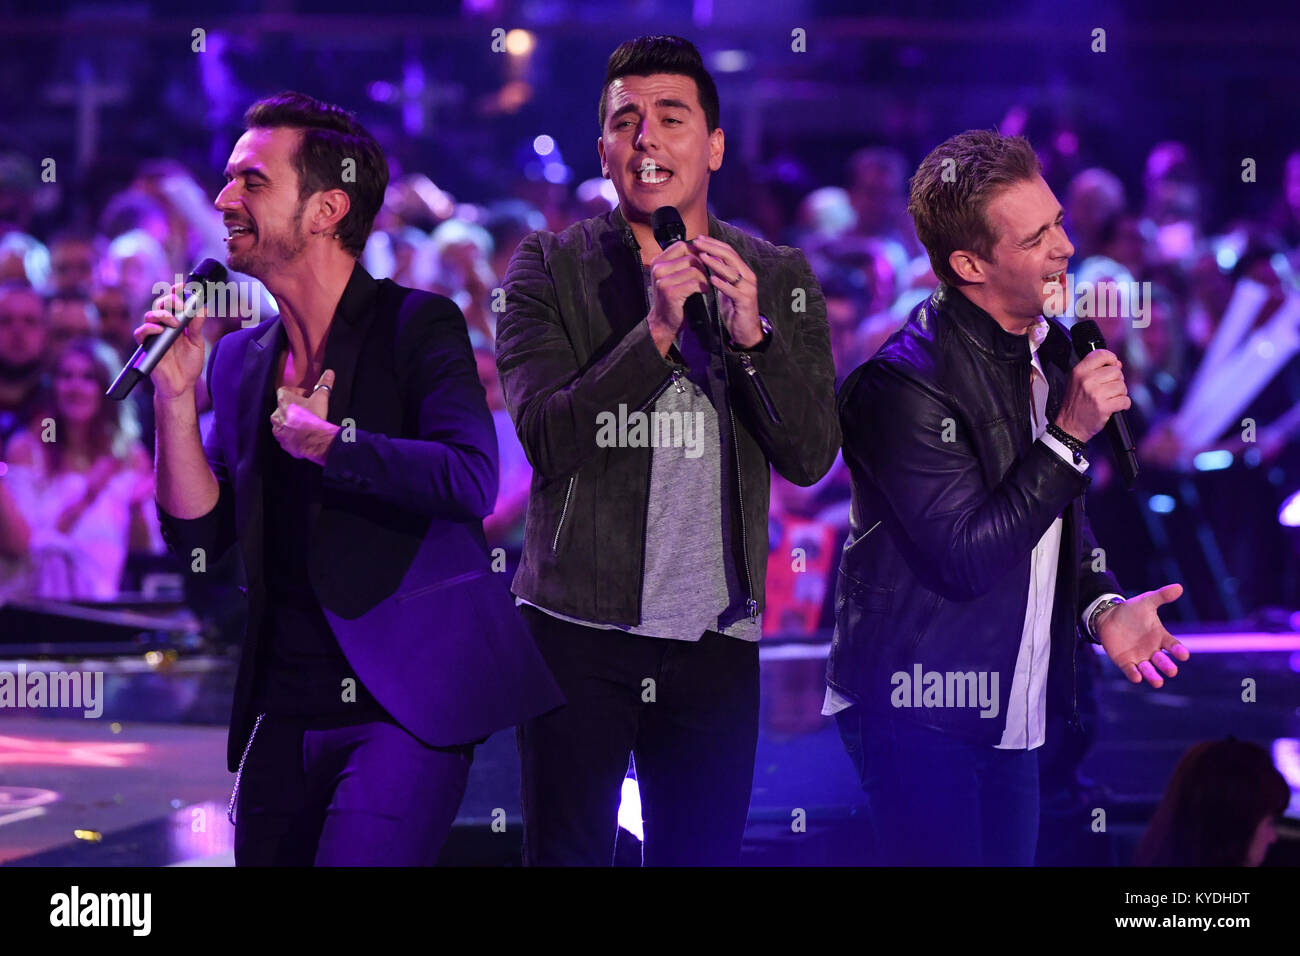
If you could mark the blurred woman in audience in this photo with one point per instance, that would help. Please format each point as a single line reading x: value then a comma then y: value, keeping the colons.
x: 77, y: 492
x: 1220, y: 808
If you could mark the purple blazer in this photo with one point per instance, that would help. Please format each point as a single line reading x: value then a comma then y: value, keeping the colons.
x: 397, y: 557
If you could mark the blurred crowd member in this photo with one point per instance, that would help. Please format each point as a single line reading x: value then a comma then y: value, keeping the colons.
x: 1210, y: 288
x: 846, y: 307
x: 505, y: 526
x: 454, y: 263
x: 69, y: 315
x: 1220, y: 808
x: 878, y: 191
x: 194, y: 228
x: 1121, y: 239
x: 115, y: 319
x: 393, y: 255
x: 1093, y: 198
x: 77, y: 493
x: 23, y: 336
x: 132, y: 210
x: 825, y: 213
x: 73, y: 255
x: 593, y: 197
x: 1287, y: 217
x: 414, y: 200
x: 135, y: 261
x: 549, y: 198
x: 1160, y: 374
x: 507, y: 222
x: 18, y: 185
x: 24, y: 258
x: 1173, y: 202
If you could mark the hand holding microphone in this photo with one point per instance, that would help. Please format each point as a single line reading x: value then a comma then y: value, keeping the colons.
x: 1097, y: 397
x: 170, y: 339
x: 1096, y: 391
x: 684, y: 271
x: 678, y: 280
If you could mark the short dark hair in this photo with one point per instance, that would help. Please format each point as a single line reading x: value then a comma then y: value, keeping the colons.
x: 330, y: 135
x: 646, y: 56
x: 952, y: 188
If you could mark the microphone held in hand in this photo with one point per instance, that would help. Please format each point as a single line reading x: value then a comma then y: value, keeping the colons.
x: 668, y: 228
x: 1087, y: 337
x: 152, y: 349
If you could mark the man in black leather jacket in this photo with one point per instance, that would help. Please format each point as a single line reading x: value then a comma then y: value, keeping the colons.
x: 644, y: 559
x: 970, y: 568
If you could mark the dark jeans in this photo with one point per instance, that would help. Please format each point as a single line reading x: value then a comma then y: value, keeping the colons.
x: 364, y: 794
x: 694, y: 745
x: 935, y: 800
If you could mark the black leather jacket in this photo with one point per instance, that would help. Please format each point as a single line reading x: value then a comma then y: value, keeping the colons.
x: 573, y: 342
x: 950, y: 496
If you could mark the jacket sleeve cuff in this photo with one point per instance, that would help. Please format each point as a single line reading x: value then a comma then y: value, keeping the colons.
x: 346, y: 461
x: 183, y: 535
x: 1064, y: 453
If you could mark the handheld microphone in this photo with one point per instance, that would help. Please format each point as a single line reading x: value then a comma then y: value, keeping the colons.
x: 152, y: 349
x: 1087, y: 337
x: 668, y: 228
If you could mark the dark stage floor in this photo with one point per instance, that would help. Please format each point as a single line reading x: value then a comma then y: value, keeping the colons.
x: 145, y: 784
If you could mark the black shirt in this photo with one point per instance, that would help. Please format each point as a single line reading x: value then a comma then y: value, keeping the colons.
x: 301, y: 667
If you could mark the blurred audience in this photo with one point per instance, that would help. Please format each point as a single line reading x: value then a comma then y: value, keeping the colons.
x: 95, y: 283
x: 1219, y: 809
x: 77, y: 493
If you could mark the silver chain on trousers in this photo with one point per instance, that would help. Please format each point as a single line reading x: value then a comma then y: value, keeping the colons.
x: 239, y: 774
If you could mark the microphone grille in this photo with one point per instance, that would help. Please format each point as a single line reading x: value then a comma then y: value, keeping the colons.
x: 209, y: 270
x: 668, y: 227
x: 1086, y: 337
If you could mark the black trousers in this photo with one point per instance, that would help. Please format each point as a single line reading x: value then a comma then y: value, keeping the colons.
x: 361, y: 794
x: 687, y: 711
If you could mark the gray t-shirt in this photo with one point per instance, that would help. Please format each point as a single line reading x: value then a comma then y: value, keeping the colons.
x: 689, y: 576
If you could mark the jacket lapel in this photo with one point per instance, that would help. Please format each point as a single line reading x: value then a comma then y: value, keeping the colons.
x: 1056, y: 363
x: 351, y: 323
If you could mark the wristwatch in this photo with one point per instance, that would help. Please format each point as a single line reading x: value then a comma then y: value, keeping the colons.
x: 765, y: 325
x: 1110, y: 602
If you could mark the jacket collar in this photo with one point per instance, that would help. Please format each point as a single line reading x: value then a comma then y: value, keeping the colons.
x: 342, y: 343
x: 983, y: 331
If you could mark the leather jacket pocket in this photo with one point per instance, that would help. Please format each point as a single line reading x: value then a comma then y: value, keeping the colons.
x: 860, y: 607
x: 925, y: 619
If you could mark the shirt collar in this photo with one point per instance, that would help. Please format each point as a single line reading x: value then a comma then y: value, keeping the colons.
x: 1037, y: 335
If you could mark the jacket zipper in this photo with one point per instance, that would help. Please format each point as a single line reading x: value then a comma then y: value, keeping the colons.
x: 663, y: 387
x: 563, y: 511
x: 760, y: 387
x: 751, y: 606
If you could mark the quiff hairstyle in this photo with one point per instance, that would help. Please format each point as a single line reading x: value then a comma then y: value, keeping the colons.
x: 948, y: 201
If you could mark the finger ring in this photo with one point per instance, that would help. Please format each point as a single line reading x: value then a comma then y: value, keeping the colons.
x: 736, y: 281
x: 327, y: 388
